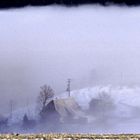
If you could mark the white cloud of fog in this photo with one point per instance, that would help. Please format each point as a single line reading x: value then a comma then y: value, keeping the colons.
x: 90, y: 44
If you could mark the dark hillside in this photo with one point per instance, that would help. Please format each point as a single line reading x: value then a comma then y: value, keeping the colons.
x: 21, y: 3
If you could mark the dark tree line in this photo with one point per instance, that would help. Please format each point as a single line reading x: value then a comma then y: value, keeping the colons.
x: 21, y: 3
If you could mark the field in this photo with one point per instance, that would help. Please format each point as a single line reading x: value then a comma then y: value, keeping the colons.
x: 70, y: 137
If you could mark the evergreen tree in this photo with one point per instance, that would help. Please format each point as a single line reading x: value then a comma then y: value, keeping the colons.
x: 25, y: 121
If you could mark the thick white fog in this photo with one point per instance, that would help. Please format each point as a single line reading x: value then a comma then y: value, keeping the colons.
x: 92, y: 45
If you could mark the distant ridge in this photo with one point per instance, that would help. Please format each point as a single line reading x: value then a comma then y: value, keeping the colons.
x: 22, y: 3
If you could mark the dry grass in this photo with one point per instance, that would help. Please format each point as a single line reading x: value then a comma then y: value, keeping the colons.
x: 70, y: 137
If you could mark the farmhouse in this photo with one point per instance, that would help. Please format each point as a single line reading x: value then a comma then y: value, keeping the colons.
x: 63, y: 110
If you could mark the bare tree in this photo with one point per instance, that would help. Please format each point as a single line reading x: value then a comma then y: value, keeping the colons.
x: 45, y: 95
x: 102, y: 106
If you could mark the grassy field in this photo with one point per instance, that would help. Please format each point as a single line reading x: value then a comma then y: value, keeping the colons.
x: 70, y: 137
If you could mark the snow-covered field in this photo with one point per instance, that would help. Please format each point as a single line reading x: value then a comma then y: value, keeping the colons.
x: 127, y: 96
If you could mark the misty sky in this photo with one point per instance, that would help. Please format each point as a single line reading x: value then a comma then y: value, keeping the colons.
x: 46, y: 45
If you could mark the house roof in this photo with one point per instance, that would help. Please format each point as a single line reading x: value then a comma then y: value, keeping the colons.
x: 68, y: 106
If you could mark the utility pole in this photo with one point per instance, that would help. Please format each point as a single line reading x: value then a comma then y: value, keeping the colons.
x: 11, y: 103
x: 69, y: 87
x: 122, y: 79
x: 27, y: 104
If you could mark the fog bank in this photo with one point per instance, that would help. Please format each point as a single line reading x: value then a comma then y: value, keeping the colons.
x: 92, y: 45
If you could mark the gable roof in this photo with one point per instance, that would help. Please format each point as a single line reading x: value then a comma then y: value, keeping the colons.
x: 68, y: 106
